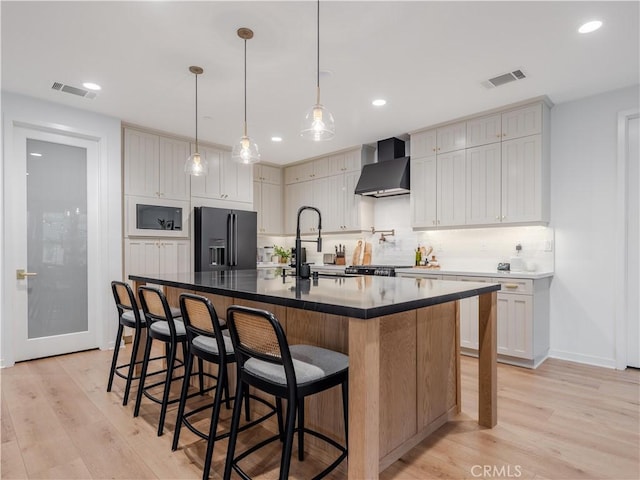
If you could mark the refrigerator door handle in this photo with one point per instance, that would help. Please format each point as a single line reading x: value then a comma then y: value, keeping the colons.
x: 235, y: 239
x: 229, y: 239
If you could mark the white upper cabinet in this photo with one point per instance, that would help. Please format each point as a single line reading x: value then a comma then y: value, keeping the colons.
x: 267, y: 199
x: 522, y: 187
x: 441, y: 140
x: 424, y: 144
x: 328, y: 183
x: 484, y: 130
x: 208, y: 186
x: 174, y: 183
x: 423, y: 201
x: 504, y: 177
x: 344, y: 162
x: 237, y: 179
x: 154, y: 166
x: 451, y: 188
x: 522, y: 122
x: 227, y: 180
x: 267, y: 174
x: 452, y: 137
x: 483, y: 185
x: 298, y: 173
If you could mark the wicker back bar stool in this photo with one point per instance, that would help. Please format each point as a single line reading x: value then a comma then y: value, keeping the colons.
x: 267, y: 362
x: 207, y: 341
x: 129, y: 315
x: 162, y: 326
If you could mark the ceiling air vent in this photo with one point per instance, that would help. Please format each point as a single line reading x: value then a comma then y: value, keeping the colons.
x: 504, y: 78
x: 81, y: 92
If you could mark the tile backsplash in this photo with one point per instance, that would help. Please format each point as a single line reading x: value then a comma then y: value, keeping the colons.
x: 477, y: 249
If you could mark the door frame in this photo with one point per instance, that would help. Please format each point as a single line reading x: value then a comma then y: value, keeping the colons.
x: 26, y: 348
x: 622, y: 166
x: 30, y: 113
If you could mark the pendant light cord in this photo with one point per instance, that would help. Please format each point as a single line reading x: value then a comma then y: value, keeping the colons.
x: 318, y: 52
x: 245, y: 87
x: 197, y: 113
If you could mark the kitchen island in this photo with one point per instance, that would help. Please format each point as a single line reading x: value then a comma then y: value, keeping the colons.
x: 402, y: 338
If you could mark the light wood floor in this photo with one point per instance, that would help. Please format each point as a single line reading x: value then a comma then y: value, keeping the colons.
x: 561, y: 421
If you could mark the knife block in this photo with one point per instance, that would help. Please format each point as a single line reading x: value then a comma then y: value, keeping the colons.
x: 340, y: 260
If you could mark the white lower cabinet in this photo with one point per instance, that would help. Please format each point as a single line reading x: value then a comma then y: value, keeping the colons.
x: 515, y: 327
x: 523, y: 320
x: 152, y: 256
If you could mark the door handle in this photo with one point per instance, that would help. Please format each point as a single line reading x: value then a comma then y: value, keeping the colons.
x: 21, y: 274
x: 235, y: 239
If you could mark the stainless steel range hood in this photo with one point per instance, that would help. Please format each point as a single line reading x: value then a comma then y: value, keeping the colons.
x: 390, y: 175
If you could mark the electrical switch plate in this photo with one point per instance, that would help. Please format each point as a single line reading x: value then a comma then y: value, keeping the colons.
x: 548, y: 246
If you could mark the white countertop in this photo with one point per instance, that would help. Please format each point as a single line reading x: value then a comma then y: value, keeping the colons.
x: 428, y: 271
x: 475, y: 273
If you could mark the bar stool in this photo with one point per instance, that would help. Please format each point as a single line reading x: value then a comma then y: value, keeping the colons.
x: 162, y: 326
x: 206, y: 341
x: 266, y: 362
x: 129, y: 315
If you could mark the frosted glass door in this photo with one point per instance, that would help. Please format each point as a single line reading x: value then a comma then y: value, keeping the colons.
x: 56, y: 239
x: 51, y: 233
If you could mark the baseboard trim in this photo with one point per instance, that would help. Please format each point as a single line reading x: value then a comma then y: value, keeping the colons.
x: 586, y: 359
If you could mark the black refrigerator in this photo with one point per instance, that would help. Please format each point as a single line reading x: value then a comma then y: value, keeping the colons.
x: 225, y: 239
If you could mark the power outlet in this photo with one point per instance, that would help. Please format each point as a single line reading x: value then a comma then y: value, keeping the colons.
x: 548, y: 246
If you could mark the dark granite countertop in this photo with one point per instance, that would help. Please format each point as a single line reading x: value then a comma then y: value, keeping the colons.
x: 350, y: 296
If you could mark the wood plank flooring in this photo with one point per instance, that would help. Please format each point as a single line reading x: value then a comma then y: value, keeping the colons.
x: 561, y: 421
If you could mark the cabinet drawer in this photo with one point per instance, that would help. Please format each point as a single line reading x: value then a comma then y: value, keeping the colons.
x: 515, y: 285
x: 462, y: 278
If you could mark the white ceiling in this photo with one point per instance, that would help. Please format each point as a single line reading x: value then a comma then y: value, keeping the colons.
x: 427, y: 59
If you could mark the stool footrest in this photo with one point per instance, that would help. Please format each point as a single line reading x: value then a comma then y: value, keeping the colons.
x: 323, y: 473
x: 247, y: 425
x: 155, y: 399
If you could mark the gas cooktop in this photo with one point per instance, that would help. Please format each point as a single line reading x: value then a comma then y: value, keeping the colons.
x: 378, y: 270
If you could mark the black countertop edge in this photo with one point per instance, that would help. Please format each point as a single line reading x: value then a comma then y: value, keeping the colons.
x: 305, y: 304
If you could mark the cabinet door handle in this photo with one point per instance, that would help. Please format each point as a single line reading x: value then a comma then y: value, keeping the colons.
x: 511, y: 285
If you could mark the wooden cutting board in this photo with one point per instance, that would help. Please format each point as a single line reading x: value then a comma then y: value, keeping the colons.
x: 366, y: 257
x: 357, y: 252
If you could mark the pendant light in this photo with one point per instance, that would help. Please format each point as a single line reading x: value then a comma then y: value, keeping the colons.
x: 318, y: 124
x: 245, y: 151
x: 195, y: 164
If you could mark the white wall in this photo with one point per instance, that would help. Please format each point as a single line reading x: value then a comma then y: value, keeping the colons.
x: 31, y: 111
x: 583, y: 202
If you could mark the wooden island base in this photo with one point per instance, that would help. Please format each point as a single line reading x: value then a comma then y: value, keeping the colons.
x: 404, y: 374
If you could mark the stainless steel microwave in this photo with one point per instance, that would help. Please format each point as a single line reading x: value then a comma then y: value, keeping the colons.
x: 150, y: 217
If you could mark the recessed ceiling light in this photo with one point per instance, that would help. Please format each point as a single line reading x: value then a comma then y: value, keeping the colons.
x: 91, y: 86
x: 378, y: 102
x: 591, y: 26
x: 34, y: 154
x: 276, y: 139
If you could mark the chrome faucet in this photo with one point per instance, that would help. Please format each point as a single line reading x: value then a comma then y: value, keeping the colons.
x: 299, y: 240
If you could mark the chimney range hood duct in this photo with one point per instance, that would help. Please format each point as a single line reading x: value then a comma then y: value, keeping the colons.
x: 390, y: 175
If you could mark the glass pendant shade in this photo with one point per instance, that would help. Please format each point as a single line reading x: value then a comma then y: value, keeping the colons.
x: 196, y: 165
x: 318, y: 124
x: 245, y: 151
